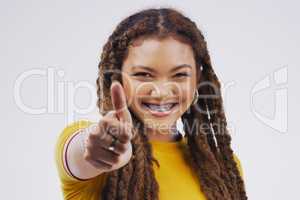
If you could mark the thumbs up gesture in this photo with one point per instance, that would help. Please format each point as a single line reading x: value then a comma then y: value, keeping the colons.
x: 108, y: 146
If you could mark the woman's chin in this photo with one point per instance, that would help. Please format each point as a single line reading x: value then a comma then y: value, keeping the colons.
x: 155, y: 125
x: 159, y: 123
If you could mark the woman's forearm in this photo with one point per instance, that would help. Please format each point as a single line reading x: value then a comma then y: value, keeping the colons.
x: 73, y: 156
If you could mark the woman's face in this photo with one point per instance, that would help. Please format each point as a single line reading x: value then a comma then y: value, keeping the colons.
x: 159, y: 80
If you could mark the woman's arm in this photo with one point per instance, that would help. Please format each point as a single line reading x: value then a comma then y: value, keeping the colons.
x: 73, y: 156
x: 87, y: 153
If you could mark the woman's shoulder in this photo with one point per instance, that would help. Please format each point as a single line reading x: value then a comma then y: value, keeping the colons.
x: 239, y: 165
x: 71, y: 186
x: 184, y: 147
x: 70, y: 129
x: 64, y: 136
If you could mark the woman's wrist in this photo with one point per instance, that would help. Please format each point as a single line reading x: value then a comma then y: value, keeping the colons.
x: 76, y: 145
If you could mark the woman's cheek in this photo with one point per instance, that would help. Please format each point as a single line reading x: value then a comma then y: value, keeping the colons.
x: 186, y: 97
x: 129, y: 86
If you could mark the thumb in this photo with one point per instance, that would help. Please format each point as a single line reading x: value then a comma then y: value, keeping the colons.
x: 119, y: 102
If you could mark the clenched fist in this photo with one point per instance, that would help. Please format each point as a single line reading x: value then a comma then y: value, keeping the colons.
x: 108, y: 146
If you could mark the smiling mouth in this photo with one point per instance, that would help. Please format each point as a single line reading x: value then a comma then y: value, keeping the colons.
x: 160, y: 110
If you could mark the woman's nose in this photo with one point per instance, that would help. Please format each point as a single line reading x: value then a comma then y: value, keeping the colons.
x: 162, y: 90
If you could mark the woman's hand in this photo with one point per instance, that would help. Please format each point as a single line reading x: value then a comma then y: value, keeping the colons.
x: 116, y: 123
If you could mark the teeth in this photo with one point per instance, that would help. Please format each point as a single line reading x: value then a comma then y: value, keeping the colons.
x: 160, y: 108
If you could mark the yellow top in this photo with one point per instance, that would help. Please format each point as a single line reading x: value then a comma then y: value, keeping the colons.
x: 175, y: 178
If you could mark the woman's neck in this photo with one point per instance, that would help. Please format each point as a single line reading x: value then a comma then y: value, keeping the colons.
x: 164, y: 135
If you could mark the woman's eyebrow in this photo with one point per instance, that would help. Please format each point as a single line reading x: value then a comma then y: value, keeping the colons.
x: 180, y: 66
x: 143, y: 67
x: 153, y: 70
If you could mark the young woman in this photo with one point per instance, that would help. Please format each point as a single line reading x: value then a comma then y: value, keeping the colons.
x: 155, y: 69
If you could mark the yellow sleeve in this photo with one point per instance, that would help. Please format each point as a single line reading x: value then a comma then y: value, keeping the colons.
x: 72, y: 187
x: 239, y: 165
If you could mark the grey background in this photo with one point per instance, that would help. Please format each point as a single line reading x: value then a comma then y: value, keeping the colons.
x: 247, y: 40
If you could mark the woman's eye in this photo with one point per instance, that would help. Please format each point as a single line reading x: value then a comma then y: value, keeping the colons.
x: 142, y: 74
x: 182, y: 74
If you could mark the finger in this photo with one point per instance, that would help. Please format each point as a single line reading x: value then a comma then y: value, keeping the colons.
x: 119, y: 147
x: 114, y: 128
x: 98, y: 163
x: 104, y: 155
x: 110, y: 127
x: 105, y: 142
x: 119, y: 102
x: 111, y: 114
